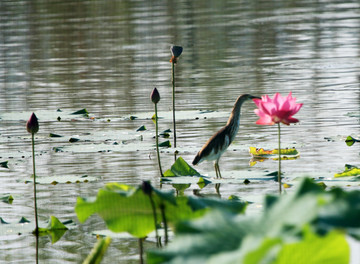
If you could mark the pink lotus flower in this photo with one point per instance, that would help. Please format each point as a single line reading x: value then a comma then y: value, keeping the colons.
x: 276, y: 110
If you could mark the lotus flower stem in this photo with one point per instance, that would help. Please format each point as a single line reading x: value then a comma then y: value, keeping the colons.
x: 173, y: 99
x: 155, y: 219
x: 37, y: 248
x: 162, y: 208
x: 34, y: 175
x: 147, y: 189
x: 279, y: 170
x: 141, y: 249
x: 157, y: 140
x: 32, y: 126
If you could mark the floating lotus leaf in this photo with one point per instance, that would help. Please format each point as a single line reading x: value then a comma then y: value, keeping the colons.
x: 260, y: 152
x: 349, y: 171
x: 181, y: 168
x: 55, y: 229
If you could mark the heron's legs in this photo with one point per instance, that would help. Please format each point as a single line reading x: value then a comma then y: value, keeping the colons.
x: 217, y: 169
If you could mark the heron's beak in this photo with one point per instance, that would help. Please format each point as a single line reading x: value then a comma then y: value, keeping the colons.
x: 255, y: 97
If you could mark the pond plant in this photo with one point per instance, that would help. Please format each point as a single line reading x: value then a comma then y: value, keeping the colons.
x: 313, y: 228
x: 155, y: 98
x: 128, y: 209
x: 175, y: 52
x: 277, y: 110
x: 32, y: 126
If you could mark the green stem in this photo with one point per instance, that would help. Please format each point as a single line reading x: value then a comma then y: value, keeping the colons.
x: 155, y: 220
x: 162, y: 208
x: 141, y: 249
x: 157, y: 140
x: 279, y: 171
x: 173, y: 99
x: 37, y: 247
x: 34, y: 175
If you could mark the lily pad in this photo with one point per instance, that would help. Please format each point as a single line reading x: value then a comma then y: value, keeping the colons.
x: 62, y: 179
x: 180, y: 115
x: 181, y: 168
x: 142, y: 128
x: 349, y: 171
x: 166, y: 144
x: 81, y: 112
x: 4, y: 164
x: 42, y: 115
x: 7, y: 199
x: 260, y: 152
x: 350, y: 141
x: 55, y: 229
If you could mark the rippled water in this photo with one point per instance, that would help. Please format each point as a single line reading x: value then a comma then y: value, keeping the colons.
x: 107, y: 56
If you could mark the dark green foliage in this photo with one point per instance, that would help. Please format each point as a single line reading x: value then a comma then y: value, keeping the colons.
x: 309, y: 224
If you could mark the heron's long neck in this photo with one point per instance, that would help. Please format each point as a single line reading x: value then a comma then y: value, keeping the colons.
x: 234, y: 119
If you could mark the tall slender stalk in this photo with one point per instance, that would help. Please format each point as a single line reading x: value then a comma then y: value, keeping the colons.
x: 173, y: 99
x: 157, y: 140
x: 279, y: 170
x: 34, y: 178
x: 37, y: 248
x: 162, y: 208
x: 141, y: 248
x: 155, y: 219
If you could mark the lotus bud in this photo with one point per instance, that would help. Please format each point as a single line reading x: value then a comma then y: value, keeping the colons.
x: 32, y: 125
x: 176, y: 52
x: 146, y: 187
x: 155, y: 96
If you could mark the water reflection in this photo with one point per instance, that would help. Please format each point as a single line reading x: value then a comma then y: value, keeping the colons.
x: 107, y: 56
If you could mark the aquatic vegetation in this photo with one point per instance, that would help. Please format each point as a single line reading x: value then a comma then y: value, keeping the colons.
x: 277, y: 110
x: 32, y: 126
x: 350, y: 141
x: 312, y: 220
x: 155, y: 98
x: 98, y: 252
x: 130, y: 209
x: 349, y: 171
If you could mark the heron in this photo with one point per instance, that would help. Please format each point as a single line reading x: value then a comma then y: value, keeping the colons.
x: 220, y: 141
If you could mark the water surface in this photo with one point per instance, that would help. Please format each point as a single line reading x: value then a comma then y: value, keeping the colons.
x: 107, y: 56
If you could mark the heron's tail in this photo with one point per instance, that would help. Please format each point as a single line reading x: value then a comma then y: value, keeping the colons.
x: 196, y: 159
